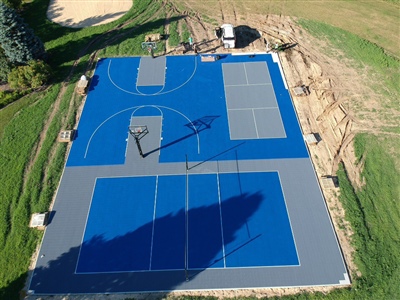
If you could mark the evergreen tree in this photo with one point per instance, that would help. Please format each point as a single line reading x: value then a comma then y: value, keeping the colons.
x: 16, y: 4
x: 5, y: 67
x: 18, y: 41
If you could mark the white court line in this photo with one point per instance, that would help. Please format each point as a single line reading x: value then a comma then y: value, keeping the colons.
x: 288, y: 216
x: 226, y: 103
x: 154, y: 222
x: 102, y: 123
x: 245, y: 73
x: 220, y: 216
x: 84, y: 230
x: 250, y: 84
x: 155, y: 94
x: 254, y: 108
x: 255, y: 123
x: 247, y: 53
x: 127, y: 144
x: 275, y: 59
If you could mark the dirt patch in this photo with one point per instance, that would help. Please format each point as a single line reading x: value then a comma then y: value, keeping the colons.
x: 85, y: 13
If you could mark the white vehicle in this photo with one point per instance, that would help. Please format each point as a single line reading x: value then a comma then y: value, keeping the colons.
x: 228, y: 36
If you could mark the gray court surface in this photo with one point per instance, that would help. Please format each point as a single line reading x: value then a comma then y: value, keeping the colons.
x: 253, y: 112
x: 151, y: 71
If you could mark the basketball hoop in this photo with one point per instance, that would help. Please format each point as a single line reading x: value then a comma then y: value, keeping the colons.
x: 138, y: 132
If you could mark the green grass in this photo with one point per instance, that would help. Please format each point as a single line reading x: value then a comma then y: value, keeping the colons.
x: 17, y: 241
x: 374, y: 212
x: 185, y: 32
x: 174, y: 38
x: 7, y: 97
x: 6, y: 114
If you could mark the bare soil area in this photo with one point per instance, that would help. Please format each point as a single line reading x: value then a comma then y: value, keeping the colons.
x: 85, y: 13
x: 334, y: 90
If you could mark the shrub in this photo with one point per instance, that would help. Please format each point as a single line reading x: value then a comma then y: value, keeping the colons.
x: 34, y: 75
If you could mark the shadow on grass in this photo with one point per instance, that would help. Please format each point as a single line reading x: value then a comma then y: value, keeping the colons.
x: 13, y: 290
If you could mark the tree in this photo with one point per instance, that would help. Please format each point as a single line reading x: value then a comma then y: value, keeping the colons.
x: 34, y: 75
x: 16, y: 4
x: 5, y: 67
x: 18, y: 40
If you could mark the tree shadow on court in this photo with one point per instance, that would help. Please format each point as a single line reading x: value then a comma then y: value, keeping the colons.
x: 122, y: 263
x: 196, y: 126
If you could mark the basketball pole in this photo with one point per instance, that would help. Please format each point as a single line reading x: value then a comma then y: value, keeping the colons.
x: 139, y: 146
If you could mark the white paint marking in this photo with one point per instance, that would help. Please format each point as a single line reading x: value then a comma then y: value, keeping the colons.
x: 84, y: 230
x: 220, y: 216
x: 245, y: 73
x: 255, y: 123
x: 154, y: 222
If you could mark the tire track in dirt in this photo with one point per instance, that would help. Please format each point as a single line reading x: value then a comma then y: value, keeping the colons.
x: 221, y: 11
x: 201, y: 32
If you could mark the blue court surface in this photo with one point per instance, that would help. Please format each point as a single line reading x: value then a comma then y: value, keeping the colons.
x: 231, y: 223
x: 224, y: 197
x: 193, y: 107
